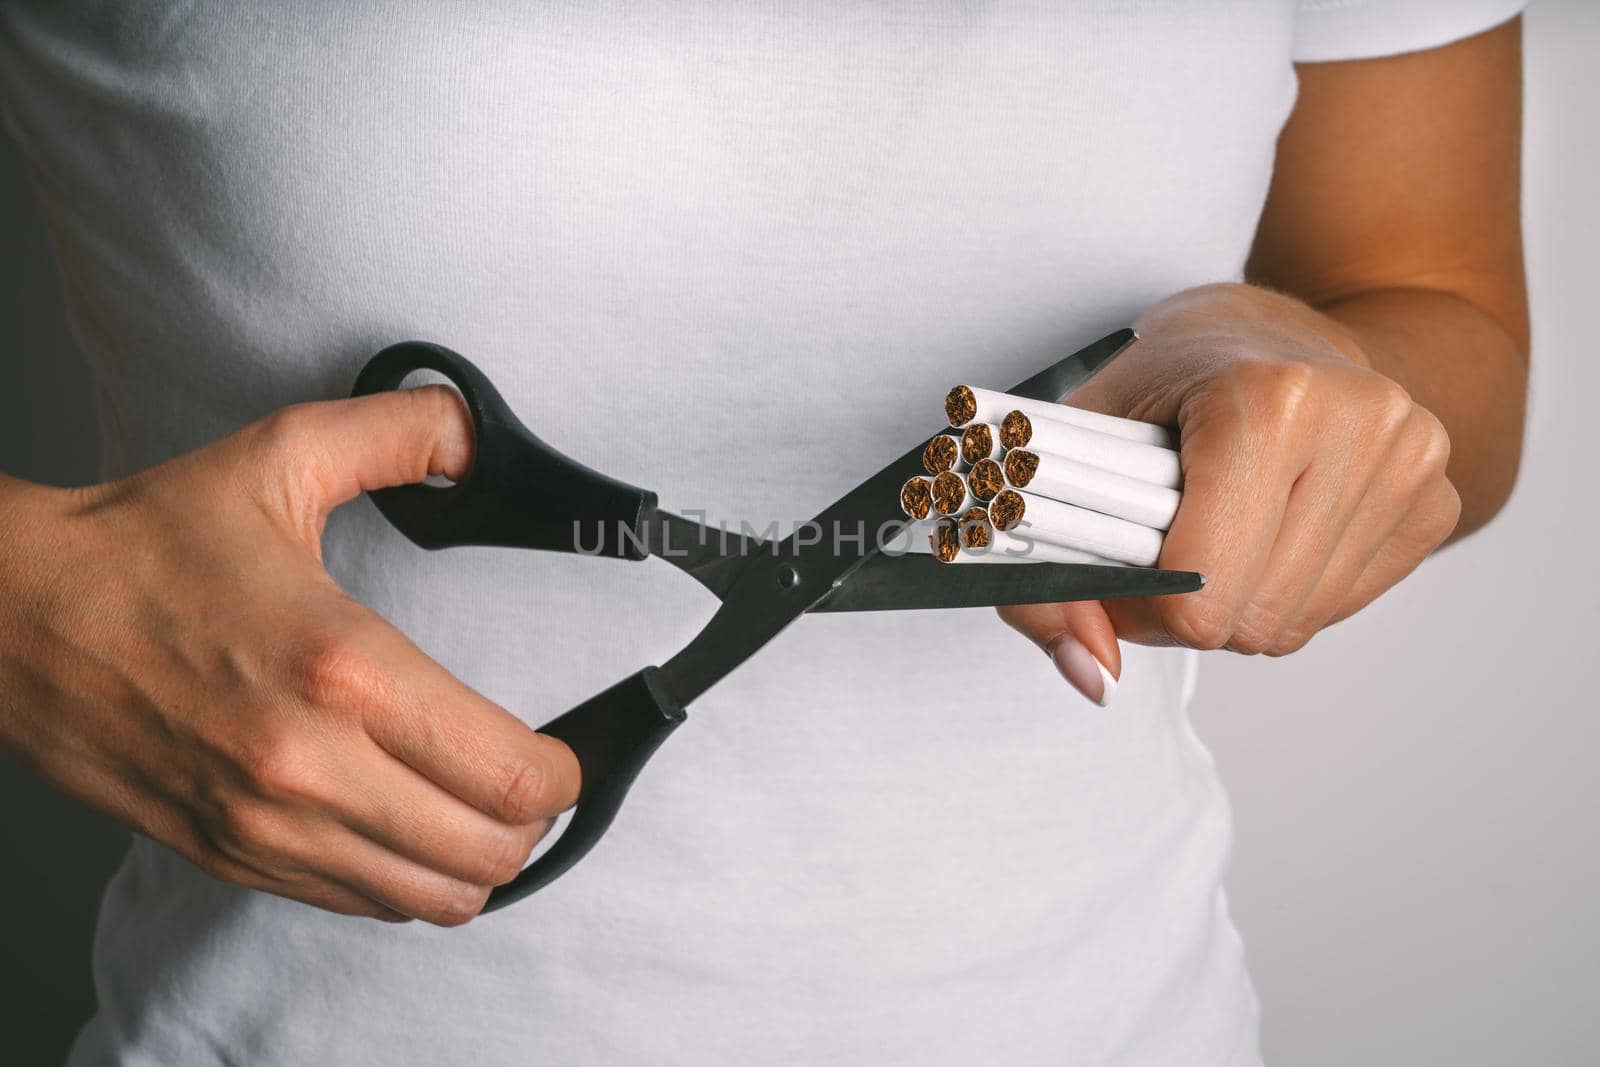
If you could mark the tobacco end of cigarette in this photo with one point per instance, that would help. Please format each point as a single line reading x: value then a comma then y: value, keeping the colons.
x: 960, y: 405
x: 945, y: 541
x: 916, y: 497
x: 975, y: 529
x: 977, y: 441
x: 986, y: 479
x: 941, y: 454
x: 1021, y: 466
x: 1016, y: 429
x: 1007, y: 509
x: 949, y: 493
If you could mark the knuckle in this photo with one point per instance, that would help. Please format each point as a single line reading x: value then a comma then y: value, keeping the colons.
x: 508, y: 856
x: 1290, y: 641
x: 1449, y: 510
x: 215, y: 864
x: 526, y: 793
x: 1429, y: 445
x: 276, y: 766
x: 459, y: 906
x: 247, y: 827
x: 199, y: 845
x: 1256, y: 630
x: 1391, y: 406
x: 1282, y: 391
x: 434, y: 402
x: 333, y: 673
x: 285, y: 432
x: 1201, y: 625
x: 1441, y: 520
x: 1251, y: 641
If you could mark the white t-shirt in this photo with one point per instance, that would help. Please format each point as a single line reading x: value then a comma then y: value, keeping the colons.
x: 637, y: 217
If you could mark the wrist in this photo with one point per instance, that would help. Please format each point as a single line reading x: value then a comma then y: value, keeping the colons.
x: 28, y: 526
x: 1284, y: 326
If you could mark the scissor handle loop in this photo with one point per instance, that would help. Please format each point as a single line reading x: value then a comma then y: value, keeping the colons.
x: 613, y: 734
x: 520, y: 492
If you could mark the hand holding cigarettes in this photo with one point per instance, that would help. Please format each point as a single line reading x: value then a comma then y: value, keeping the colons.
x: 1310, y: 482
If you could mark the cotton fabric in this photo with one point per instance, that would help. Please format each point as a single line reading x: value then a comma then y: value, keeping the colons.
x: 691, y: 243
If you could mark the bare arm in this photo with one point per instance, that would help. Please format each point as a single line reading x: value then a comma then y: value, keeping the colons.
x: 1395, y: 210
x: 1360, y: 402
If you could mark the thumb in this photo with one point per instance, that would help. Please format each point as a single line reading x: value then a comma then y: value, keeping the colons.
x: 1079, y: 639
x: 319, y: 455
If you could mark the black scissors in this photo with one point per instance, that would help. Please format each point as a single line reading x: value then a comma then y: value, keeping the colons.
x: 521, y: 493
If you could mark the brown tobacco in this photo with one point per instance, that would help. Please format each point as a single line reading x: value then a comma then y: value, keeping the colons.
x: 975, y: 529
x: 941, y: 454
x: 986, y: 479
x: 1021, y: 466
x: 945, y: 540
x: 977, y: 442
x: 949, y: 493
x: 960, y: 406
x: 1016, y: 430
x: 916, y: 497
x: 1007, y: 509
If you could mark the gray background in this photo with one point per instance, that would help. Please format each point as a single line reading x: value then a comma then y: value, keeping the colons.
x: 1414, y: 875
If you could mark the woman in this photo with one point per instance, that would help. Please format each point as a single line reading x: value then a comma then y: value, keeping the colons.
x: 631, y: 217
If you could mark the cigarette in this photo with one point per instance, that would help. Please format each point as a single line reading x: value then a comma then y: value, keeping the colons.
x: 965, y: 405
x: 981, y: 440
x: 975, y: 528
x: 1015, y: 548
x: 950, y: 494
x: 1145, y: 462
x: 985, y: 479
x: 916, y: 497
x: 1043, y: 519
x: 942, y: 454
x: 1072, y: 482
x: 944, y: 541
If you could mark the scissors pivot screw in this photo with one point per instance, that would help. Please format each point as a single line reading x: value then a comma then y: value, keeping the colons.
x: 788, y: 577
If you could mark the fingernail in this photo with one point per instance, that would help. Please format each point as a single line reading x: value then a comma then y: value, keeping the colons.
x: 1085, y: 673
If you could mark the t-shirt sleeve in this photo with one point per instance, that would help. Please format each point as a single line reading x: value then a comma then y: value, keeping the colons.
x: 1362, y: 29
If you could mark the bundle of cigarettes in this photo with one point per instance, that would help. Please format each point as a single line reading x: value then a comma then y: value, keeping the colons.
x: 1017, y: 480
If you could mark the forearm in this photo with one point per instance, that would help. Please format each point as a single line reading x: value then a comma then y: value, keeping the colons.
x: 1456, y: 360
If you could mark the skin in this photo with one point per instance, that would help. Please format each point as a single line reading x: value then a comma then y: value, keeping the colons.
x: 1362, y: 400
x: 173, y: 653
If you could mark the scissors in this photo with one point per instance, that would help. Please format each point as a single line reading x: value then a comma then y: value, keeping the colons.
x: 521, y: 493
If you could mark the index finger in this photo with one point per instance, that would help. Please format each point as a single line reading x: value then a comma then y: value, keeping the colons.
x: 472, y: 747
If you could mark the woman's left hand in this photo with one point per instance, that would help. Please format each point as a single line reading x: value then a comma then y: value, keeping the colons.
x: 1312, y: 483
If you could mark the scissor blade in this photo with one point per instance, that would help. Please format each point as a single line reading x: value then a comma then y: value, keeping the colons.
x: 714, y: 558
x: 1062, y: 377
x: 771, y: 590
x: 914, y: 582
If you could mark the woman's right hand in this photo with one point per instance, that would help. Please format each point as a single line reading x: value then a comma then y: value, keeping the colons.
x: 173, y: 653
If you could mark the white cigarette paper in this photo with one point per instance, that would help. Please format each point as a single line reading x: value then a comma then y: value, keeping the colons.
x: 1071, y: 482
x: 1144, y: 462
x: 1013, y: 548
x: 989, y: 405
x: 1043, y: 519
